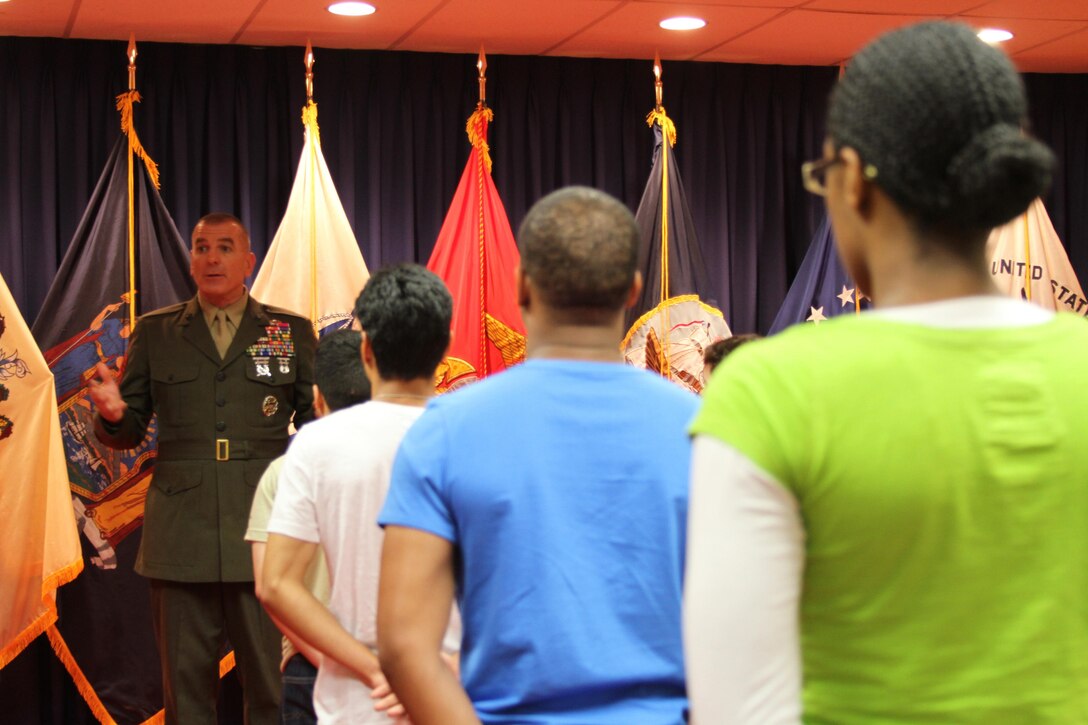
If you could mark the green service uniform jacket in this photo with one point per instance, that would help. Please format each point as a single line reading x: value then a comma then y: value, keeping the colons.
x: 219, y: 421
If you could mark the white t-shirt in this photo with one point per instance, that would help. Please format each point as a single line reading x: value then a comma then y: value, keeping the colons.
x: 332, y: 486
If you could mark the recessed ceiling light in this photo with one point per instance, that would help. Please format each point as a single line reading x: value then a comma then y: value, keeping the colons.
x: 682, y: 23
x: 352, y: 8
x: 994, y: 35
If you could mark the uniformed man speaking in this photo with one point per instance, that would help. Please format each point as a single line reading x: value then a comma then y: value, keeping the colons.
x: 225, y: 375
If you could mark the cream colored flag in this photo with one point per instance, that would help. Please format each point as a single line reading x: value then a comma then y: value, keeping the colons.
x: 41, y: 546
x: 1027, y: 260
x: 314, y: 266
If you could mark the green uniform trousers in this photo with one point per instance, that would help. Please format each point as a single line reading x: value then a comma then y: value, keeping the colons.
x: 192, y: 623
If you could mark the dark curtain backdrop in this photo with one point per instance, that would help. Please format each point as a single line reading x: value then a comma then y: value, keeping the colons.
x: 223, y: 123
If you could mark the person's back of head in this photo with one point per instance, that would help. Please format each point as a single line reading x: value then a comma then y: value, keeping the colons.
x: 338, y: 370
x: 579, y: 249
x: 718, y: 350
x: 937, y: 116
x: 405, y: 313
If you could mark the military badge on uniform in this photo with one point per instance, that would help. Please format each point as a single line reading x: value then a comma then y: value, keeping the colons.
x: 275, y: 345
x: 269, y: 406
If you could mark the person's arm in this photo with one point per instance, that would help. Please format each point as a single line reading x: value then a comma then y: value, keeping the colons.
x: 305, y: 351
x: 742, y: 587
x: 415, y: 595
x: 124, y: 411
x: 285, y: 596
x: 305, y: 648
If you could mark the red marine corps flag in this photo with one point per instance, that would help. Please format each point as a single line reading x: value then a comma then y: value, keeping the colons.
x: 475, y: 256
x: 1027, y: 260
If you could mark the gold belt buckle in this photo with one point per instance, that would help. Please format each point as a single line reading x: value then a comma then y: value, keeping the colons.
x: 222, y: 449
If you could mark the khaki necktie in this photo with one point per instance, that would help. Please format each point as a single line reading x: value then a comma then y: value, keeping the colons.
x: 221, y: 333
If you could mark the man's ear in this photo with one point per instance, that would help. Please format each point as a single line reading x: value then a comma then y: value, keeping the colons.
x: 366, y: 351
x: 321, y: 406
x: 521, y: 284
x: 634, y: 292
x: 857, y: 187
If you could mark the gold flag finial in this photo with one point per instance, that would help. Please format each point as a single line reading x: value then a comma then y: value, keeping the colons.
x: 309, y: 63
x: 481, y: 66
x: 658, y: 88
x: 132, y: 62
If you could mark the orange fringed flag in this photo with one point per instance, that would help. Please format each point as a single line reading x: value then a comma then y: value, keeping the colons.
x: 476, y: 257
x: 41, y: 549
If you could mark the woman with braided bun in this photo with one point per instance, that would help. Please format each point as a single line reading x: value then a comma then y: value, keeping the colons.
x: 889, y: 512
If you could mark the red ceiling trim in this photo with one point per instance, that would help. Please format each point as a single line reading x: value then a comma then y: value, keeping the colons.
x: 619, y: 6
x: 752, y: 29
x: 1048, y: 41
x: 246, y: 23
x: 419, y: 24
x: 72, y: 18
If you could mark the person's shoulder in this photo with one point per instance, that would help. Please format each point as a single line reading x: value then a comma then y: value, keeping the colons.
x: 165, y: 312
x: 282, y: 313
x: 649, y: 384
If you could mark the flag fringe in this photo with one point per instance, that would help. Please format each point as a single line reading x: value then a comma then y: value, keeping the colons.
x: 47, y: 618
x: 60, y: 648
x: 667, y: 303
x: 28, y: 635
x: 62, y: 576
x: 309, y: 120
x: 476, y: 128
x: 124, y: 105
x: 86, y: 690
x: 225, y: 665
x: 667, y: 126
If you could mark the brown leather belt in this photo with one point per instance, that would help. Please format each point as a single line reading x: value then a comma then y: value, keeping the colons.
x: 220, y: 449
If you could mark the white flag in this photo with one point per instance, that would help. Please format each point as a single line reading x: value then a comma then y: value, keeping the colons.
x: 314, y: 266
x: 1027, y: 260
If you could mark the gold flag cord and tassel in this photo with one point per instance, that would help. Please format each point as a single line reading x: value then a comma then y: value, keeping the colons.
x: 668, y: 133
x: 477, y: 136
x: 125, y: 102
x: 309, y: 122
x: 476, y: 128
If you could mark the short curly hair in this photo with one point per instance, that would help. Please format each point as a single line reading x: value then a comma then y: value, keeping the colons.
x: 579, y: 246
x: 405, y: 312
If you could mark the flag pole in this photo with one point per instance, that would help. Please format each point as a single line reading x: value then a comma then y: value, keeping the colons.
x: 482, y: 110
x: 1027, y: 257
x: 131, y: 201
x: 309, y: 119
x: 659, y: 114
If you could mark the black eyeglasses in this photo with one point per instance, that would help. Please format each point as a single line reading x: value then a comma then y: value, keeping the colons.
x: 814, y: 174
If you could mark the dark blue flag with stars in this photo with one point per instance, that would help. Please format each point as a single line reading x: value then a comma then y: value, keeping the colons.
x: 822, y: 289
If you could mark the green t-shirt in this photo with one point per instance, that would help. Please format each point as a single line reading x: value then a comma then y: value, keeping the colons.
x: 942, y: 478
x: 317, y: 576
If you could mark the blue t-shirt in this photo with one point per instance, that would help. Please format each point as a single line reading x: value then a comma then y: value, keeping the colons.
x: 564, y: 487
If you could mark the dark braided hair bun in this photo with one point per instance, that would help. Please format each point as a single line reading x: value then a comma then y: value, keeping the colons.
x: 939, y: 114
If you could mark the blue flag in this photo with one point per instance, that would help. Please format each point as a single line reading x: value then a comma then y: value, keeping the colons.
x: 104, y: 636
x: 822, y: 289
